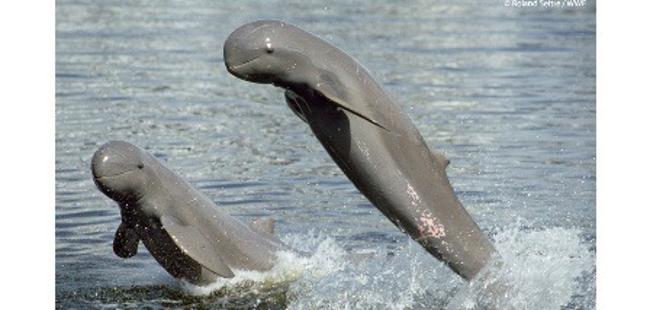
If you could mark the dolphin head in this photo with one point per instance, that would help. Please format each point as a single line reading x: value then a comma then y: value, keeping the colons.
x: 266, y: 52
x: 275, y: 52
x: 119, y: 171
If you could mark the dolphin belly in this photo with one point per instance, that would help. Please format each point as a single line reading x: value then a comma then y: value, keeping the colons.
x: 400, y: 177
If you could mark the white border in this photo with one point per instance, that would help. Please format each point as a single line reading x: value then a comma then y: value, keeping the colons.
x: 27, y: 160
x: 623, y: 137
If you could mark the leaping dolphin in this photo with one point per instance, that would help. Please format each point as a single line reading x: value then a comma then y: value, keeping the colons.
x: 364, y: 131
x: 183, y: 229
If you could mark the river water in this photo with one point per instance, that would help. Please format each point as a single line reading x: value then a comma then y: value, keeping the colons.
x: 507, y: 93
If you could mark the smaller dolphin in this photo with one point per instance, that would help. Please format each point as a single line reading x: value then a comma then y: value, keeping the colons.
x: 183, y: 229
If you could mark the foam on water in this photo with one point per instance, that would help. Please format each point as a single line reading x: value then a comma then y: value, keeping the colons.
x: 542, y: 269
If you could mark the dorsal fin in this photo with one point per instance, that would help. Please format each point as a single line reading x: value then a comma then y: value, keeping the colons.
x: 440, y: 158
x: 264, y: 224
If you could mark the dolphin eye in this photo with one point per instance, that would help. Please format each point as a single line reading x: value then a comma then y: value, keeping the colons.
x: 140, y: 166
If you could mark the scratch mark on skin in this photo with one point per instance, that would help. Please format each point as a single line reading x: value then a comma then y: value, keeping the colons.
x: 415, y: 198
x: 364, y: 149
x: 430, y: 227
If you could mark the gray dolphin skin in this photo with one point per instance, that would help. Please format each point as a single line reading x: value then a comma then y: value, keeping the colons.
x: 364, y: 131
x: 183, y: 229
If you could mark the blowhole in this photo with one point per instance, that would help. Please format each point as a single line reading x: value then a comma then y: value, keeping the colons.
x: 140, y: 166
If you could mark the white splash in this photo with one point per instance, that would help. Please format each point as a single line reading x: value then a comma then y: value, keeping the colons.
x: 546, y: 269
x: 290, y: 267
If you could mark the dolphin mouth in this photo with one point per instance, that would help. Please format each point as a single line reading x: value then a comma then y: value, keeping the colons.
x: 110, y: 176
x: 231, y: 68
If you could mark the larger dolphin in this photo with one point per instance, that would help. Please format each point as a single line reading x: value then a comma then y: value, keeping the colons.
x: 364, y: 131
x: 183, y: 229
